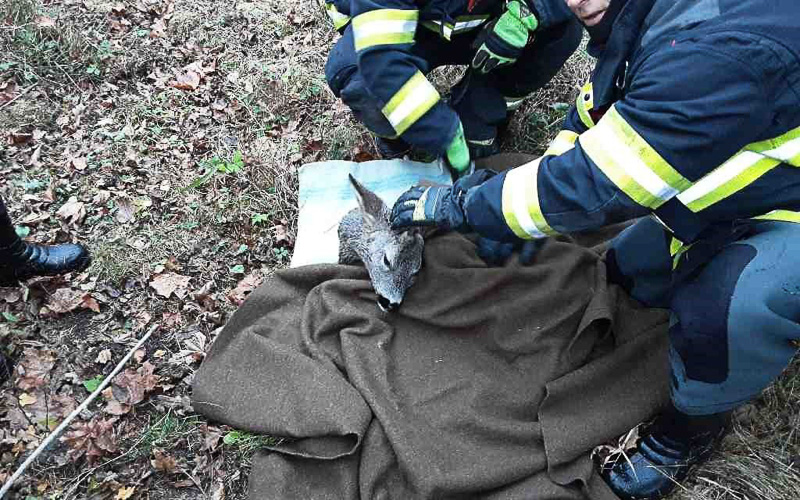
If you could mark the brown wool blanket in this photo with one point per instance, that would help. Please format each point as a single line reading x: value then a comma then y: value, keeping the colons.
x: 492, y: 383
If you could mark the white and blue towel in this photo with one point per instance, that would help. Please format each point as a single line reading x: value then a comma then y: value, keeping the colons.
x: 326, y: 196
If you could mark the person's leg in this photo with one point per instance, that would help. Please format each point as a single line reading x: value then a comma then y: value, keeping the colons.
x: 738, y: 321
x: 639, y: 261
x: 20, y: 260
x: 732, y: 334
x: 485, y: 102
x: 344, y: 79
x: 540, y: 61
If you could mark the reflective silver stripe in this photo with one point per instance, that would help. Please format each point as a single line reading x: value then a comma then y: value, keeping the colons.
x: 723, y: 174
x: 521, y: 208
x: 462, y: 24
x: 513, y: 103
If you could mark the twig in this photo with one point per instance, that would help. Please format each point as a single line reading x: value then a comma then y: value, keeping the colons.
x: 20, y: 95
x: 71, y: 417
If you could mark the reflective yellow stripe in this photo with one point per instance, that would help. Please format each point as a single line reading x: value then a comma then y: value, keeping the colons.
x: 729, y: 178
x: 584, y: 103
x: 413, y: 100
x: 337, y: 17
x: 781, y: 215
x: 676, y: 250
x: 521, y: 208
x: 675, y: 246
x: 384, y: 27
x: 631, y: 163
x: 564, y: 141
x: 743, y: 169
x: 785, y: 148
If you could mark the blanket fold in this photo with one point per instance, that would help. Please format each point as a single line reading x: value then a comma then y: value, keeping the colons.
x: 487, y: 383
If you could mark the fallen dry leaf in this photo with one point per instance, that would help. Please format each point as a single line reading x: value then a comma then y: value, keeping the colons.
x: 126, y: 209
x: 8, y: 91
x: 65, y: 300
x: 26, y: 399
x: 42, y: 409
x: 125, y: 493
x: 211, y: 437
x: 45, y: 22
x: 104, y: 357
x: 33, y: 218
x: 244, y: 287
x: 17, y: 139
x: 139, y: 355
x: 281, y: 236
x: 218, y: 491
x: 72, y: 211
x: 189, y: 80
x: 168, y: 283
x: 90, y: 303
x: 34, y: 367
x: 34, y: 159
x: 163, y: 462
x: 158, y: 29
x: 172, y: 319
x: 79, y: 163
x: 130, y: 388
x: 10, y: 295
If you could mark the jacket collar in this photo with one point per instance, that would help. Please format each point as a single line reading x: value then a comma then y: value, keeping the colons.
x: 609, y: 73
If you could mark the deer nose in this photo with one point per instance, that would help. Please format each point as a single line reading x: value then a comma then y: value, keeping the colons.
x: 385, y: 305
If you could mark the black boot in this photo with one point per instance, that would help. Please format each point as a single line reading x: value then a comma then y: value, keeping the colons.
x: 20, y: 261
x: 665, y: 453
x: 389, y: 149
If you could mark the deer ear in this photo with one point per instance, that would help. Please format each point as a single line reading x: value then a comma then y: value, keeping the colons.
x: 372, y: 207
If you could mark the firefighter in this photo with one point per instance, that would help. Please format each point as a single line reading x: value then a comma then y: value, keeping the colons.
x: 691, y: 124
x: 379, y: 67
x: 20, y: 260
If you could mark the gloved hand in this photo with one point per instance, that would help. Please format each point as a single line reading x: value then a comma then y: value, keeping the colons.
x: 457, y: 155
x: 501, y: 42
x: 437, y: 206
x: 495, y: 253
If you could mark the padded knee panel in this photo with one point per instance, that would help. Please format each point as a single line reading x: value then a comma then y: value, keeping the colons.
x: 702, y: 306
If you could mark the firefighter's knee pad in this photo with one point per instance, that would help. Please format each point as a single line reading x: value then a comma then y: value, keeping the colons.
x: 702, y: 307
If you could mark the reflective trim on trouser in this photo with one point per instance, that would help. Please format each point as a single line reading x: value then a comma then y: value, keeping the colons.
x: 760, y: 304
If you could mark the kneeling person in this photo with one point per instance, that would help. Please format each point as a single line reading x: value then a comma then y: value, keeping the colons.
x: 692, y: 117
x: 379, y: 67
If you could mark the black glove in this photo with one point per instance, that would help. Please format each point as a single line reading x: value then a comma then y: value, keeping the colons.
x: 496, y: 253
x: 441, y: 206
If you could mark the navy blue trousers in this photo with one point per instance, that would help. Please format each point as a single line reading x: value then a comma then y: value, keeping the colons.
x: 735, y: 318
x: 478, y: 100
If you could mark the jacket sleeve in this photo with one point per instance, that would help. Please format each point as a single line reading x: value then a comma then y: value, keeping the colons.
x: 550, y: 12
x: 685, y: 113
x: 384, y: 32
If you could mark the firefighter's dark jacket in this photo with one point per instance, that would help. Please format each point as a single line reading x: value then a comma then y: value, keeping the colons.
x: 384, y: 32
x: 692, y: 115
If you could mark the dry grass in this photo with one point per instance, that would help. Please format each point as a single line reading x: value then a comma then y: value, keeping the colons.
x: 101, y: 94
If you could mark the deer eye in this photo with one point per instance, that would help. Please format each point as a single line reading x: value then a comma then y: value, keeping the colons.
x: 386, y: 261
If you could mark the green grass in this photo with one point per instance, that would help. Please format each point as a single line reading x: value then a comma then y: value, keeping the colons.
x: 166, y: 431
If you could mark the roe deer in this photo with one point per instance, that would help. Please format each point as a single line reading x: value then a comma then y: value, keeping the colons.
x: 392, y: 257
